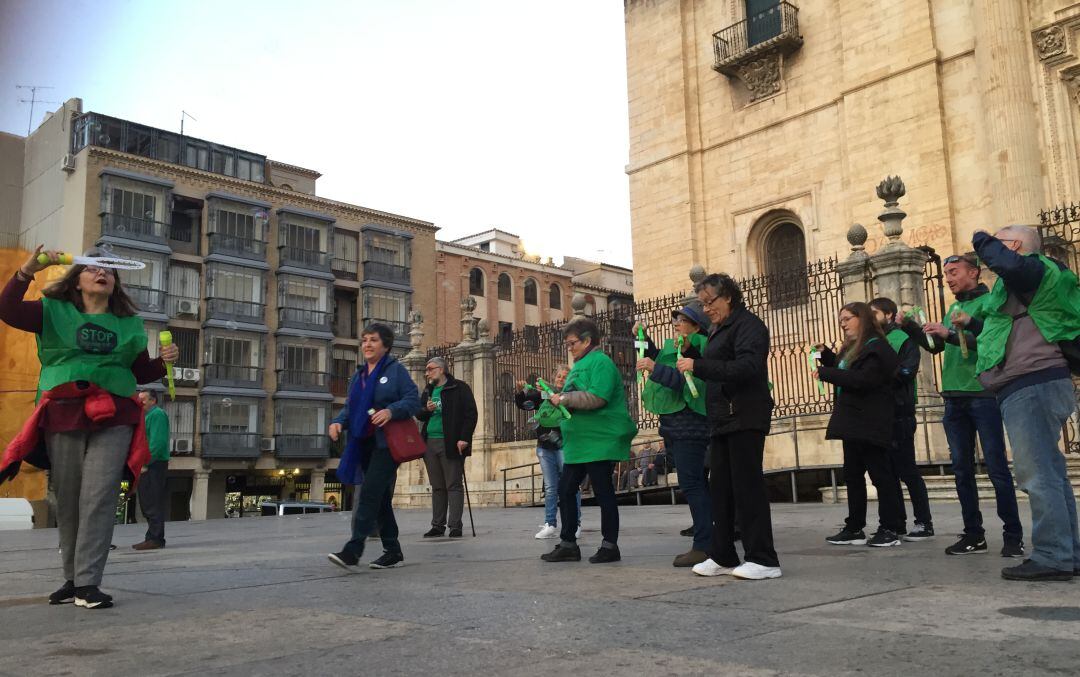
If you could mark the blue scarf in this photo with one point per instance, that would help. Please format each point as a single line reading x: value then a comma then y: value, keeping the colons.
x: 361, y: 398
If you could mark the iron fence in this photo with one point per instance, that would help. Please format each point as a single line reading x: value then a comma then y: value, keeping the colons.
x: 1060, y: 230
x: 934, y: 295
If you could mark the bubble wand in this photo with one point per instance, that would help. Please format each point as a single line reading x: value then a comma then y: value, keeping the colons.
x: 165, y: 339
x: 920, y: 314
x: 689, y: 378
x: 962, y: 337
x: 547, y: 389
x: 641, y: 344
x: 99, y: 261
x: 812, y: 359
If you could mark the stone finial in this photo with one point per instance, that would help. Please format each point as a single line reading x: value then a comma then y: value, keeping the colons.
x: 468, y: 304
x: 483, y: 330
x: 578, y: 304
x: 697, y: 273
x: 468, y: 321
x: 856, y: 237
x: 416, y: 330
x: 891, y: 189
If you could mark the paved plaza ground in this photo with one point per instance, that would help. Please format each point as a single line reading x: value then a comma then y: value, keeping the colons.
x: 257, y: 597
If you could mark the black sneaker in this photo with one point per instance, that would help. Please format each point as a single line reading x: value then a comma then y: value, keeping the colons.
x: 921, y: 532
x: 64, y: 595
x: 688, y: 531
x: 848, y: 537
x: 455, y: 533
x: 89, y: 597
x: 345, y: 560
x: 388, y: 560
x: 969, y: 544
x: 1033, y: 571
x: 1012, y: 549
x: 605, y: 555
x: 563, y: 553
x: 434, y: 532
x: 883, y: 538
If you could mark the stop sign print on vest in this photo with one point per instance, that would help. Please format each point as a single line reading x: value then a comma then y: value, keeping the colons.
x: 93, y: 338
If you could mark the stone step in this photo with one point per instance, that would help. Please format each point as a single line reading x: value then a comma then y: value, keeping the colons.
x: 939, y: 489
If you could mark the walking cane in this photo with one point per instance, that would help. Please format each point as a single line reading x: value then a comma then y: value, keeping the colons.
x: 465, y: 480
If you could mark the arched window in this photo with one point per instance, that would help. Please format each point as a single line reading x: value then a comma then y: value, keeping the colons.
x: 785, y: 264
x: 530, y: 292
x: 476, y: 282
x: 555, y: 297
x: 505, y: 288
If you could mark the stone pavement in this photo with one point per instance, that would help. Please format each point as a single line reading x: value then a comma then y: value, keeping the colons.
x: 257, y: 597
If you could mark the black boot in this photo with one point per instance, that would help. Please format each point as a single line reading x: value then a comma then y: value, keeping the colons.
x: 606, y: 554
x: 563, y: 552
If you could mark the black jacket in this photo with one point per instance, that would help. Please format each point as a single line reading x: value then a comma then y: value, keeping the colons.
x: 907, y: 369
x: 735, y: 368
x: 458, y: 415
x: 863, y: 410
x: 546, y: 438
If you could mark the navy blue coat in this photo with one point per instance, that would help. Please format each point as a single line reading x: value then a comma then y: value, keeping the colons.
x: 398, y: 394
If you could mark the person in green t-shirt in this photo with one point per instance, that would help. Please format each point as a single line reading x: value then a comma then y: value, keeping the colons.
x: 595, y: 437
x: 153, y: 485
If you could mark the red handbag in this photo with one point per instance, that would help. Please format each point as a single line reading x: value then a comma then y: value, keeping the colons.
x: 404, y: 440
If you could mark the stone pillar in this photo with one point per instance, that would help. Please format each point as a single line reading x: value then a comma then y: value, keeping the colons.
x: 318, y: 485
x: 415, y: 360
x: 1011, y: 127
x: 200, y: 488
x: 853, y: 271
x: 482, y: 363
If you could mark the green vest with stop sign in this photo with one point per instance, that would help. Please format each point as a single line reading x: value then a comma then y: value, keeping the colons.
x: 99, y: 348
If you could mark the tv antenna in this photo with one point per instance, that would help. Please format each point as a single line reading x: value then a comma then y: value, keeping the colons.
x: 32, y: 101
x: 185, y: 114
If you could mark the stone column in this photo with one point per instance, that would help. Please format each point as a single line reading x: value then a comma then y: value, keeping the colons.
x: 317, y: 492
x: 200, y: 490
x: 853, y: 271
x: 1010, y: 123
x: 415, y: 360
x: 482, y: 363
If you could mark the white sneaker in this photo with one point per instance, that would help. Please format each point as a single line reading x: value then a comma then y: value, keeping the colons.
x: 547, y: 531
x: 752, y: 571
x: 711, y: 568
x: 577, y: 534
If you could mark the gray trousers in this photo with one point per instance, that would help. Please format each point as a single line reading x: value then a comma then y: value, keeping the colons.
x: 153, y: 495
x: 447, y: 494
x: 87, y: 467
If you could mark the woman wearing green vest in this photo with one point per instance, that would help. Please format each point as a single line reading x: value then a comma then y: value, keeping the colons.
x: 595, y: 437
x: 682, y: 420
x: 88, y: 425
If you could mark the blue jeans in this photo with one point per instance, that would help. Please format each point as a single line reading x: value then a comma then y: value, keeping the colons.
x: 689, y: 458
x: 1033, y: 419
x: 965, y: 416
x: 551, y: 465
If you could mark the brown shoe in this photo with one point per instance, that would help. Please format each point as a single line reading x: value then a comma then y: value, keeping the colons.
x: 689, y: 559
x: 148, y: 545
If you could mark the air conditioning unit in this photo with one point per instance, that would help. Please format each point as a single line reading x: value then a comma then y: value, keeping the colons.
x: 68, y: 164
x: 187, y: 307
x: 191, y: 375
x: 267, y: 444
x: 178, y: 373
x: 182, y: 446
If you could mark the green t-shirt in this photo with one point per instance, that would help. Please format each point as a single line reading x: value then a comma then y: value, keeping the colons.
x: 434, y: 426
x: 157, y: 433
x: 602, y: 434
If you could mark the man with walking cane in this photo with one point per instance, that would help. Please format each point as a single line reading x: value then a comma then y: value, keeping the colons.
x: 448, y: 412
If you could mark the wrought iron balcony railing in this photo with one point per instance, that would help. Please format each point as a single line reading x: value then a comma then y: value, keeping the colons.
x: 386, y: 272
x: 232, y: 374
x: 301, y: 446
x: 301, y: 379
x: 303, y: 258
x: 245, y: 247
x: 401, y: 329
x: 133, y: 228
x: 147, y: 299
x: 346, y: 269
x: 777, y: 28
x: 302, y: 318
x: 239, y: 310
x: 230, y: 445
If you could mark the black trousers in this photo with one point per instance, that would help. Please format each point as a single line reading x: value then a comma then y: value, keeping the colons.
x: 153, y: 499
x: 863, y: 457
x: 570, y: 481
x: 738, y: 492
x: 902, y: 455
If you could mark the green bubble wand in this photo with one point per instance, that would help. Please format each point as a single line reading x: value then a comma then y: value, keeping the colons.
x: 918, y: 314
x: 812, y: 359
x: 686, y: 374
x: 547, y: 389
x: 641, y: 344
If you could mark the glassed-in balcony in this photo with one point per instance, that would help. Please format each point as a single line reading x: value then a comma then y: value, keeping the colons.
x: 234, y: 375
x: 244, y: 247
x: 303, y: 258
x: 132, y: 228
x: 231, y: 309
x: 148, y: 300
x: 301, y: 446
x: 300, y: 379
x: 303, y: 318
x: 231, y: 445
x: 386, y: 272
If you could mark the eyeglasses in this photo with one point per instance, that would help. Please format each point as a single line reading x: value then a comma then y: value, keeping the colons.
x: 570, y: 343
x: 844, y: 319
x: 432, y: 368
x: 94, y: 270
x: 710, y: 301
x: 966, y: 258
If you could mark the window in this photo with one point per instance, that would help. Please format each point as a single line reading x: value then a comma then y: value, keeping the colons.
x: 506, y: 333
x: 763, y: 20
x: 505, y: 288
x: 388, y: 306
x: 235, y: 283
x: 345, y: 314
x: 294, y: 418
x: 184, y: 284
x: 235, y: 224
x: 233, y: 350
x: 225, y: 415
x: 385, y: 248
x: 532, y: 338
x: 476, y: 282
x: 133, y: 205
x: 346, y: 254
x: 301, y: 358
x: 181, y: 415
x: 530, y: 292
x: 187, y: 340
x: 785, y: 265
x: 302, y: 293
x: 555, y: 297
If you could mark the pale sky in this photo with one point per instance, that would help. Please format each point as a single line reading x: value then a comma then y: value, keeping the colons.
x: 471, y: 114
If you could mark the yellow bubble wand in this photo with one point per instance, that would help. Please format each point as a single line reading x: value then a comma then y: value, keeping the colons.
x: 165, y: 339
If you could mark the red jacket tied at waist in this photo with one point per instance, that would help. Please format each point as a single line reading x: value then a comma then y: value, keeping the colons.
x: 29, y: 444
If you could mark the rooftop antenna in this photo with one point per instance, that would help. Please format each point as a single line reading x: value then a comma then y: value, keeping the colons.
x: 32, y: 101
x: 185, y: 114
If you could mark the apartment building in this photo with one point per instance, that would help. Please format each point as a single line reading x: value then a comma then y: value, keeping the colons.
x: 264, y: 285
